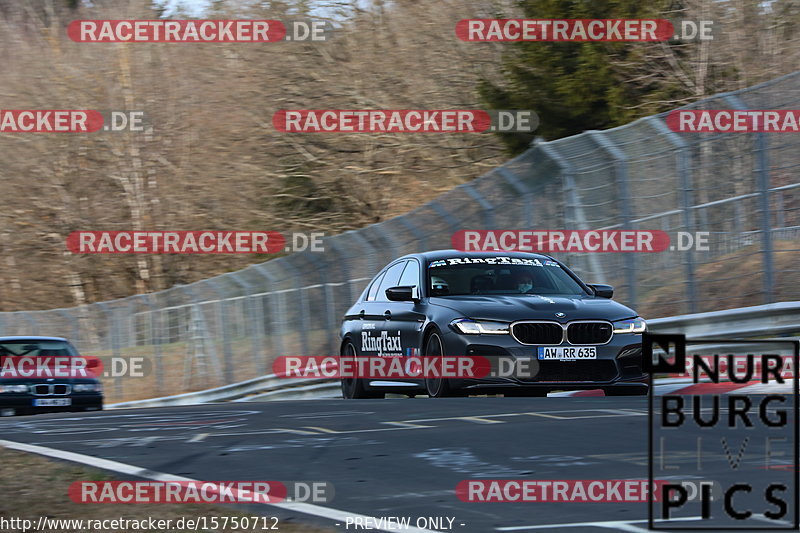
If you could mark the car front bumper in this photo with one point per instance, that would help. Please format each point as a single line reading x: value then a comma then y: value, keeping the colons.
x: 618, y: 364
x: 23, y: 403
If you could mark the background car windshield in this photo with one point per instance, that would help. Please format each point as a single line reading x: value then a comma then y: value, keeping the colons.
x: 548, y: 279
x: 36, y: 348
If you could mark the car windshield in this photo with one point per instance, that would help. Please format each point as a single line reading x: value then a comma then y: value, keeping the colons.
x: 46, y: 348
x: 500, y: 275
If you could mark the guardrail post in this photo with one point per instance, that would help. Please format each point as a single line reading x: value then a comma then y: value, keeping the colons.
x: 762, y: 182
x: 621, y: 174
x: 686, y: 199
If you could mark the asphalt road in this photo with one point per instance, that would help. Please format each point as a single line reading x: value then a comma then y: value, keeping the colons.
x: 400, y: 457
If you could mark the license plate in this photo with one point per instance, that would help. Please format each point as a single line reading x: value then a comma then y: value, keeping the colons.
x: 567, y: 353
x: 52, y: 402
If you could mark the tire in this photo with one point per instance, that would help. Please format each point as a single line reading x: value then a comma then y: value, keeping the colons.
x: 625, y: 391
x: 353, y: 388
x: 437, y: 387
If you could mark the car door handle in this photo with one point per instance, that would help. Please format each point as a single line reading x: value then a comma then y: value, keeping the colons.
x: 361, y: 314
x: 387, y: 315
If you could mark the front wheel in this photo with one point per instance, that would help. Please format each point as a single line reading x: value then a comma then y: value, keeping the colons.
x: 353, y: 388
x: 437, y: 387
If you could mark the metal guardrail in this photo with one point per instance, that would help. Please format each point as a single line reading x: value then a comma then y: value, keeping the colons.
x: 778, y: 319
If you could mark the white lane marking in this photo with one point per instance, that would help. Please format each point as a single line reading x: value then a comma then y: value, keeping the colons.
x: 481, y: 420
x: 327, y: 414
x: 625, y: 525
x: 122, y: 468
x: 200, y: 437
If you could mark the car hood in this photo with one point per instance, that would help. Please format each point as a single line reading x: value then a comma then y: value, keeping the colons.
x: 531, y: 306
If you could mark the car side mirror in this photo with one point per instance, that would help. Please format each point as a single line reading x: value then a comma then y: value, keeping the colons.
x: 406, y: 293
x: 603, y: 291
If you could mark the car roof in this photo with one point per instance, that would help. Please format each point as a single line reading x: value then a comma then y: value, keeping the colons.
x: 446, y: 254
x: 31, y: 338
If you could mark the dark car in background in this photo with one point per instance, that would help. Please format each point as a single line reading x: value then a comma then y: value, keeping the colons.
x: 495, y: 304
x: 79, y: 391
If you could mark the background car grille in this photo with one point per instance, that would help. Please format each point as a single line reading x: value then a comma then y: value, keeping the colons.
x: 576, y: 371
x: 50, y: 390
x: 589, y: 333
x: 538, y: 333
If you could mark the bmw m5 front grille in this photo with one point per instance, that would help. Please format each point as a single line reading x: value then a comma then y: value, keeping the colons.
x: 583, y: 333
x: 538, y: 332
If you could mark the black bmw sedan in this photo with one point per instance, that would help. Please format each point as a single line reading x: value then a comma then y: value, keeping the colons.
x: 522, y: 307
x: 46, y: 374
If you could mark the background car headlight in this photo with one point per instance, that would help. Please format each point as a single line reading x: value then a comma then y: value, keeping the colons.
x: 19, y: 389
x: 479, y: 327
x: 88, y: 387
x: 634, y: 325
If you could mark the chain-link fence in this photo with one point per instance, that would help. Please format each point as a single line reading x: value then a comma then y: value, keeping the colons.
x: 742, y: 188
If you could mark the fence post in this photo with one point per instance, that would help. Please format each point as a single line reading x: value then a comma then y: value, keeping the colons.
x: 621, y: 175
x: 222, y: 318
x: 254, y: 318
x: 568, y: 185
x: 34, y: 324
x: 487, y: 209
x: 686, y: 199
x: 155, y: 341
x: 521, y: 189
x: 113, y: 341
x: 276, y: 308
x: 762, y: 182
x: 342, y: 264
x: 420, y: 237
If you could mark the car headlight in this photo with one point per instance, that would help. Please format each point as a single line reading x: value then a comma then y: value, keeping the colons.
x: 633, y: 325
x: 479, y: 327
x: 87, y: 387
x: 19, y: 389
